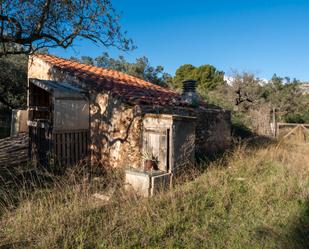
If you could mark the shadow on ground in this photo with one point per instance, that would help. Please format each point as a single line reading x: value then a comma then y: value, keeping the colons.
x: 299, y: 230
x: 296, y: 237
x: 250, y: 141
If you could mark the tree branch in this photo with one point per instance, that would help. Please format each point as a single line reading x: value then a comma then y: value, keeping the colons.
x: 50, y: 23
x: 44, y: 16
x: 14, y: 22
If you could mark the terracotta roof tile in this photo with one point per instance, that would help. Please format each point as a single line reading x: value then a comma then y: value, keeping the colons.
x: 132, y: 89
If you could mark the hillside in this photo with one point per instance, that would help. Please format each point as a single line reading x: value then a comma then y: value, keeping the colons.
x: 252, y: 198
x: 304, y: 87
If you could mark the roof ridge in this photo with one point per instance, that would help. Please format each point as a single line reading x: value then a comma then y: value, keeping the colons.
x: 128, y: 87
x: 113, y: 71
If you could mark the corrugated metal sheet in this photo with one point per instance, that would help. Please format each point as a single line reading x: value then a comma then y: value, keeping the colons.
x: 71, y: 114
x: 60, y: 89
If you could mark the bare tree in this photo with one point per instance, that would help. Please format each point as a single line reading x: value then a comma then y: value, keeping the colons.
x: 29, y: 25
x: 247, y: 89
x: 249, y: 99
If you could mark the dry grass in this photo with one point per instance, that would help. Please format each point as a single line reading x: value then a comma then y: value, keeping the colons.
x: 252, y: 198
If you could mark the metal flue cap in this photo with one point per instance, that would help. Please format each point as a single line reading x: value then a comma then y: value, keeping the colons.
x: 189, y: 86
x: 189, y: 94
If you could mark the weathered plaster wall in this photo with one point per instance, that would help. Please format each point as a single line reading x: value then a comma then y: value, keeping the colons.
x: 213, y: 131
x: 175, y: 143
x: 39, y: 69
x: 157, y: 121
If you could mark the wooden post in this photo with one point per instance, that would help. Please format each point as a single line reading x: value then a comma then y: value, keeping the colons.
x: 275, y: 123
x: 302, y: 133
x: 299, y: 133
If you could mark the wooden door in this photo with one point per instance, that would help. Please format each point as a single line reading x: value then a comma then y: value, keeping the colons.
x: 40, y: 145
x: 156, y: 141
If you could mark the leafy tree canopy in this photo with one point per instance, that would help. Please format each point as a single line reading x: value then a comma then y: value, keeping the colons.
x: 284, y: 95
x: 13, y: 81
x: 87, y: 60
x: 141, y: 68
x: 51, y: 23
x: 184, y: 72
x: 207, y: 76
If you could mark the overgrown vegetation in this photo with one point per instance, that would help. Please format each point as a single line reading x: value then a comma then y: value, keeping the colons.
x: 207, y: 76
x: 13, y: 81
x: 13, y: 89
x: 255, y: 197
x: 255, y: 102
x: 141, y: 68
x: 5, y: 121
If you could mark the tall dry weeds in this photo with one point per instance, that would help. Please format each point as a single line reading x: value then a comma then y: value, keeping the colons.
x: 252, y: 198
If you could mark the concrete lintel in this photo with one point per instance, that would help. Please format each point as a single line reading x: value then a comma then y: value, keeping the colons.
x: 169, y: 116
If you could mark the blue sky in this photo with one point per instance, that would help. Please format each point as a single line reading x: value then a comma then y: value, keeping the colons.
x: 260, y: 36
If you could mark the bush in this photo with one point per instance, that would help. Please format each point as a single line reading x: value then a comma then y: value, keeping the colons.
x: 294, y: 118
x: 240, y: 129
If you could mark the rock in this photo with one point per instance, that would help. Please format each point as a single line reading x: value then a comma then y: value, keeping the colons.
x: 101, y: 197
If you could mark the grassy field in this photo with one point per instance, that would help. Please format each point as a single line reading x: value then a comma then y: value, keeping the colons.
x: 251, y: 198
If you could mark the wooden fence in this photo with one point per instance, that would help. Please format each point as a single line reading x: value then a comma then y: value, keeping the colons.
x: 299, y: 132
x: 70, y: 147
x: 14, y: 150
x: 62, y: 147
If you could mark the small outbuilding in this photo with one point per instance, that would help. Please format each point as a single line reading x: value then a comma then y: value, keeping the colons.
x: 78, y: 111
x: 58, y: 122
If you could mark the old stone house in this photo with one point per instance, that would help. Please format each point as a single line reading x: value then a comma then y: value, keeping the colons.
x: 77, y: 110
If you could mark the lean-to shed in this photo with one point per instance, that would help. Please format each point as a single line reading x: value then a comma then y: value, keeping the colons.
x: 58, y: 122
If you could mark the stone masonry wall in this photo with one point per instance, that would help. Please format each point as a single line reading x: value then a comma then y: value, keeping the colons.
x: 115, y: 133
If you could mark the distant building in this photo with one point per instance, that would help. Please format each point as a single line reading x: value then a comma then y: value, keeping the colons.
x: 304, y: 87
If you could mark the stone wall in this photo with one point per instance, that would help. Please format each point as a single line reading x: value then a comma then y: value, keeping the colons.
x: 115, y: 132
x: 213, y: 127
x: 213, y: 131
x: 115, y: 127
